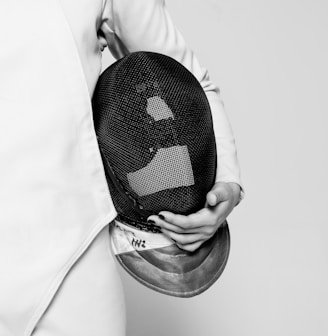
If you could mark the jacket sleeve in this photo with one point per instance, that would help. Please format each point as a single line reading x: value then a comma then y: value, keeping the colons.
x: 145, y: 25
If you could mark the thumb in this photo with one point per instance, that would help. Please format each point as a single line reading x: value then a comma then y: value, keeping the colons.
x: 215, y: 195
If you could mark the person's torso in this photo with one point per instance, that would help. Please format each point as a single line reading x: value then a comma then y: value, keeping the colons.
x: 53, y: 193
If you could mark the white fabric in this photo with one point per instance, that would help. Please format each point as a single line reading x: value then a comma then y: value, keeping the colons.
x: 53, y: 194
x: 125, y: 238
x: 87, y: 295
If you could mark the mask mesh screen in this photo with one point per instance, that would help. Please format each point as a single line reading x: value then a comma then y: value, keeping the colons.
x: 154, y: 127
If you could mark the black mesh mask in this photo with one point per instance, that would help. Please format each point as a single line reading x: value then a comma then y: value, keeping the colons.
x: 155, y: 132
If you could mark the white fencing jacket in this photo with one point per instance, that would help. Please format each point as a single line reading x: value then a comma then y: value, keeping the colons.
x: 53, y: 193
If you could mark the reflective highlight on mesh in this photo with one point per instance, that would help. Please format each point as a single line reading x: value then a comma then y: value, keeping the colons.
x: 174, y: 162
x: 158, y: 109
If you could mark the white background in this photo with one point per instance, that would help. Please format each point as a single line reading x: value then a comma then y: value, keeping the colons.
x: 269, y: 59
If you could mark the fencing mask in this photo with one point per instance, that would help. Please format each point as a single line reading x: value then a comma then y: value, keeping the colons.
x: 154, y: 128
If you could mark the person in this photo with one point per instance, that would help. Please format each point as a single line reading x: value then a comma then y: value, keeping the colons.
x: 58, y: 275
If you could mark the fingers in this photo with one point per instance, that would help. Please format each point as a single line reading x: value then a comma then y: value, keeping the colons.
x: 189, y: 232
x: 189, y: 223
x: 175, y: 228
x: 183, y: 239
x: 205, y: 222
x: 188, y: 242
x: 191, y: 247
x: 183, y: 223
x: 196, y: 221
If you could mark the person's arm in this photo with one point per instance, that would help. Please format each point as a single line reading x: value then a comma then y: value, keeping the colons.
x: 145, y: 25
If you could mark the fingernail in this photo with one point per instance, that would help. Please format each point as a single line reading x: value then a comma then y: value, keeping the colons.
x: 152, y: 223
x: 161, y: 217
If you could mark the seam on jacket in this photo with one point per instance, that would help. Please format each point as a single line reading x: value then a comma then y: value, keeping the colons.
x: 60, y: 276
x: 113, y: 15
x: 104, y: 5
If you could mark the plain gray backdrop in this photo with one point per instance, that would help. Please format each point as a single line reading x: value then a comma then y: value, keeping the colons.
x: 269, y: 59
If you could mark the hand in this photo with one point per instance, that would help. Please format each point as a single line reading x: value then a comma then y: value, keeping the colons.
x: 191, y: 231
